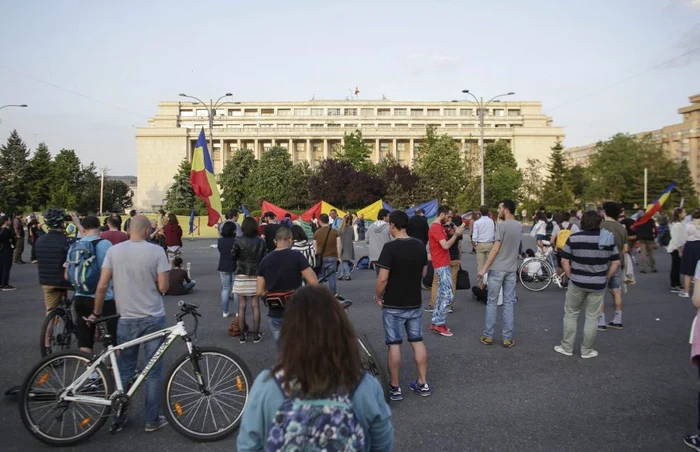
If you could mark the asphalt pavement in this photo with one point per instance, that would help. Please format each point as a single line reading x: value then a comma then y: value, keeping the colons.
x: 639, y: 394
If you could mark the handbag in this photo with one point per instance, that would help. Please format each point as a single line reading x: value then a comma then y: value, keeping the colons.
x: 278, y: 300
x: 463, y: 280
x: 319, y: 257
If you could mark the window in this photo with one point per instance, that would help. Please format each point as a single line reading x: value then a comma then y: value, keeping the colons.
x: 433, y: 112
x: 317, y: 125
x: 186, y: 113
x: 283, y: 125
x: 498, y: 112
x: 513, y: 112
x: 330, y: 124
x: 415, y: 124
x: 202, y: 112
x: 334, y: 112
x: 350, y: 112
x: 250, y: 125
x: 501, y: 125
x: 234, y: 112
x: 354, y: 126
x: 317, y: 112
x: 383, y: 111
x: 265, y: 125
x: 366, y: 125
x: 186, y: 125
x: 299, y: 125
x: 250, y: 111
x: 400, y: 125
x: 515, y: 125
x: 451, y: 125
x: 301, y: 112
x: 220, y: 112
x: 417, y: 112
x: 284, y: 112
x: 383, y: 125
x: 450, y: 112
x: 383, y: 148
x: 400, y: 112
x: 466, y: 112
x: 267, y: 111
x: 367, y: 112
x: 217, y: 126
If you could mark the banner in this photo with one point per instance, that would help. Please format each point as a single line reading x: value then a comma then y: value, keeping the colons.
x: 278, y: 211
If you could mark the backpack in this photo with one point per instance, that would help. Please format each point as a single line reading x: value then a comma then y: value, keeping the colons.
x: 563, y: 236
x: 319, y: 424
x: 363, y: 263
x: 548, y: 229
x: 83, y: 268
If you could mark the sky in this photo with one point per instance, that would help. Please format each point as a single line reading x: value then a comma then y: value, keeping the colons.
x: 91, y: 72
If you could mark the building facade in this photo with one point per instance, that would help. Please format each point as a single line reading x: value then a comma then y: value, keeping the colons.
x: 314, y: 130
x: 681, y: 141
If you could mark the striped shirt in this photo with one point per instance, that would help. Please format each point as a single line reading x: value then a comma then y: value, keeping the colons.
x: 589, y: 263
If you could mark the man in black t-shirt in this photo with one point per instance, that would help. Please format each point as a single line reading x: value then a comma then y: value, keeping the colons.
x: 282, y: 271
x: 402, y: 265
x: 269, y: 231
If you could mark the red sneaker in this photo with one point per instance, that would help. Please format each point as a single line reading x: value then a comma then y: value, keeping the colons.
x: 442, y: 330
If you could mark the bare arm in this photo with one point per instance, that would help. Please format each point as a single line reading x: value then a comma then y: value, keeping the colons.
x: 566, y: 265
x: 446, y: 244
x: 489, y: 261
x: 425, y: 271
x: 339, y: 247
x: 309, y: 276
x: 382, y: 280
x: 101, y: 292
x: 613, y: 269
x: 696, y: 295
x: 261, y: 287
x: 163, y: 282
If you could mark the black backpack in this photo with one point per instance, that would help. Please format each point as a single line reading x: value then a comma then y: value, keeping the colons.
x: 548, y: 229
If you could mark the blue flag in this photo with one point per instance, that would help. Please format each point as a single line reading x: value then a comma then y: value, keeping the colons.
x: 192, y: 221
x: 245, y: 211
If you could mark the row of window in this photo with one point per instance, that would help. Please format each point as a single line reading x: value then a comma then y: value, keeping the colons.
x: 498, y: 112
x: 186, y: 125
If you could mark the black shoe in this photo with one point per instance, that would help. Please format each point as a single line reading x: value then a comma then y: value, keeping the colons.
x: 654, y: 270
x: 8, y: 288
x: 617, y: 326
x: 692, y: 441
x: 243, y: 338
x: 602, y: 328
x: 642, y: 271
x: 257, y: 338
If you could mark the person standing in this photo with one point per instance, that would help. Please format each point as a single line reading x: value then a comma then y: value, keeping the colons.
x: 455, y: 254
x: 439, y: 251
x: 269, y: 231
x: 113, y: 234
x: 300, y: 243
x: 327, y: 242
x: 502, y: 266
x: 127, y: 223
x: 354, y: 227
x: 691, y: 252
x: 18, y: 227
x: 675, y: 248
x: 402, y: 264
x: 418, y: 226
x: 248, y: 251
x: 336, y: 221
x: 232, y: 217
x: 51, y: 250
x: 227, y: 266
x: 138, y: 271
x: 377, y: 235
x: 7, y: 246
x: 173, y: 237
x: 611, y: 212
x: 589, y: 268
x: 34, y: 231
x: 693, y: 441
x: 645, y: 235
x: 347, y: 254
x: 484, y: 236
x: 361, y: 226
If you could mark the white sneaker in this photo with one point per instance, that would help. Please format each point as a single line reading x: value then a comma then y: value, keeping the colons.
x: 225, y: 315
x: 684, y: 294
x: 591, y: 354
x: 560, y: 349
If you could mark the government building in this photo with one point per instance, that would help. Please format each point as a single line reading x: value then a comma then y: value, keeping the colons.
x: 314, y: 130
x: 681, y: 141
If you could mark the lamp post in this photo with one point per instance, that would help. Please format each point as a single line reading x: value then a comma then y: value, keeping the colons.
x: 481, y: 106
x: 210, y: 112
x: 13, y: 105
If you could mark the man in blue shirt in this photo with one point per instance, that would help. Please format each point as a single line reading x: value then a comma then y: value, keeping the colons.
x: 336, y: 221
x: 85, y: 302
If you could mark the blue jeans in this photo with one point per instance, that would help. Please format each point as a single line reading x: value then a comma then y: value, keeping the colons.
x: 188, y: 285
x: 275, y: 327
x: 496, y: 280
x: 330, y: 264
x: 226, y: 288
x: 130, y: 329
x: 395, y: 320
x: 444, y: 294
x: 344, y: 269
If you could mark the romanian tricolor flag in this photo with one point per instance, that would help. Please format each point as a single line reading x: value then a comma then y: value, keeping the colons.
x: 203, y: 179
x: 656, y: 206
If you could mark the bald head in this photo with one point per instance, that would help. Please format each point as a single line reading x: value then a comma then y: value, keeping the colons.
x: 138, y: 228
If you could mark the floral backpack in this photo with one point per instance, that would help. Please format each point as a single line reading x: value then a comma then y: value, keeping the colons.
x: 315, y: 424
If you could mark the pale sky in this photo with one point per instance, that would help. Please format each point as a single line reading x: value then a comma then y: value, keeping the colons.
x: 91, y: 71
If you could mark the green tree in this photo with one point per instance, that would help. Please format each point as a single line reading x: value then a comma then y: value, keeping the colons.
x: 271, y: 179
x: 355, y: 151
x: 117, y: 196
x: 88, y: 190
x: 557, y: 193
x: 299, y: 196
x: 686, y: 186
x: 235, y: 178
x: 579, y: 180
x: 65, y: 180
x: 401, y: 182
x: 440, y: 167
x: 39, y: 175
x: 180, y: 197
x: 502, y: 178
x: 14, y: 168
x: 533, y: 183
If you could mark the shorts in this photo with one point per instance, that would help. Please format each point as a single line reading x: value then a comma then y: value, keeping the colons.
x: 52, y: 295
x: 616, y: 280
x: 84, y: 306
x: 541, y: 237
x: 395, y: 320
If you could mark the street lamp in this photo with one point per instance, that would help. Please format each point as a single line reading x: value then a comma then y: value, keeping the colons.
x: 481, y: 106
x: 14, y: 105
x: 210, y: 112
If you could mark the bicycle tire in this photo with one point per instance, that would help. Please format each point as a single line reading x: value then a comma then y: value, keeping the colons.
x: 544, y: 265
x: 371, y: 365
x: 177, y: 412
x: 64, y: 342
x: 48, y: 366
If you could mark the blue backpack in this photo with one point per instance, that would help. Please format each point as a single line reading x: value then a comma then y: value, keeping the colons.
x: 363, y: 263
x: 83, y: 268
x: 318, y: 424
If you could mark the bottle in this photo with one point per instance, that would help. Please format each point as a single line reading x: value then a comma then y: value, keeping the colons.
x: 189, y: 267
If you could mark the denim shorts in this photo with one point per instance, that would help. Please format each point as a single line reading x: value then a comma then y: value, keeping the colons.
x: 541, y: 237
x: 395, y: 320
x: 616, y: 280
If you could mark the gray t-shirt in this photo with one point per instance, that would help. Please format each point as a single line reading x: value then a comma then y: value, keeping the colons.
x: 135, y: 268
x: 509, y: 233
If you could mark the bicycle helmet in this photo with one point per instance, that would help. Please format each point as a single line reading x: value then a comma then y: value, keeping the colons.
x: 54, y: 218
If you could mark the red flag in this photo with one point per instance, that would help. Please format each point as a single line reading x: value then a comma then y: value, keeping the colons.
x: 357, y: 91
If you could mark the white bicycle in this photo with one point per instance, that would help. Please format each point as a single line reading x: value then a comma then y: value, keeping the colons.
x: 69, y: 395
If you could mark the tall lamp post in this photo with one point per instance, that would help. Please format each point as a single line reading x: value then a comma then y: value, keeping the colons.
x: 210, y: 112
x: 13, y: 105
x: 481, y: 106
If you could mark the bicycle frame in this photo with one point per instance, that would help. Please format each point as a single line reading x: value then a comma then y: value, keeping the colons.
x: 170, y: 334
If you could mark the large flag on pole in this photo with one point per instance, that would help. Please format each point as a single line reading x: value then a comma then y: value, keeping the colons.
x: 203, y: 179
x: 656, y: 206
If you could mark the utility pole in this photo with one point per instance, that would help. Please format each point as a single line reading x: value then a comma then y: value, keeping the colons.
x: 102, y: 190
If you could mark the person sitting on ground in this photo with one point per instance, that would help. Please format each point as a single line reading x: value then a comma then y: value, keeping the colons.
x: 180, y: 282
x: 316, y: 374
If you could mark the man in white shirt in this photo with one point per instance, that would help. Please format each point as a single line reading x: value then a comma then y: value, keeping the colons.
x: 483, y: 235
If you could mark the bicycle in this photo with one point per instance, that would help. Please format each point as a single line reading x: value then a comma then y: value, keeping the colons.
x: 68, y: 396
x: 59, y: 332
x: 537, y: 273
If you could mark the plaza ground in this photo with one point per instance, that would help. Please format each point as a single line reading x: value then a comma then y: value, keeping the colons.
x: 639, y: 394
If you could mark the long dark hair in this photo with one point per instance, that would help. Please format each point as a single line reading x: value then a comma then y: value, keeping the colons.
x: 323, y: 363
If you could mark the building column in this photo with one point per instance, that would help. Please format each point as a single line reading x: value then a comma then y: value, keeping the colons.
x: 411, y: 153
x: 189, y: 149
x: 325, y: 148
x: 309, y: 156
x: 256, y: 150
x: 464, y: 147
x: 274, y: 143
x: 393, y: 148
x: 376, y: 150
x: 222, y: 157
x: 239, y: 144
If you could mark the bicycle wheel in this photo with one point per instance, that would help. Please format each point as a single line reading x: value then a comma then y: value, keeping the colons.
x: 214, y: 413
x: 535, y: 274
x: 370, y: 363
x: 52, y: 420
x: 57, y: 332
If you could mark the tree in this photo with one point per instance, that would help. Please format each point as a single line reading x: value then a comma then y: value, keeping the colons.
x: 14, y: 169
x: 364, y: 189
x: 235, y: 178
x: 180, y: 197
x: 65, y: 180
x: 355, y: 151
x: 533, y: 183
x: 39, y: 175
x: 557, y: 194
x: 502, y: 178
x: 331, y: 180
x: 299, y: 196
x: 117, y: 196
x: 88, y: 190
x: 400, y: 181
x: 579, y: 179
x: 271, y: 178
x: 440, y: 168
x: 686, y: 187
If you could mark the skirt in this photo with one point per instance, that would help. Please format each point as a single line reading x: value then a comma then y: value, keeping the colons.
x: 246, y: 286
x: 690, y: 258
